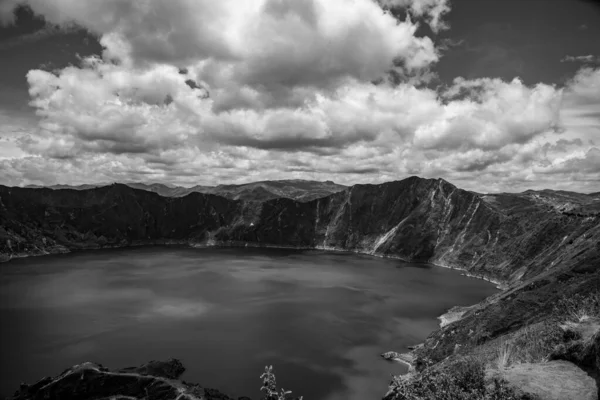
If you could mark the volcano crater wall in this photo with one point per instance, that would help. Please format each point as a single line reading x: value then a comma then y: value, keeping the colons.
x: 505, y: 237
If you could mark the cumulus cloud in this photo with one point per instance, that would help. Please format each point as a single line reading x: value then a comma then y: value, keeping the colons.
x: 105, y: 107
x: 493, y: 114
x: 284, y: 41
x: 584, y: 87
x: 198, y: 92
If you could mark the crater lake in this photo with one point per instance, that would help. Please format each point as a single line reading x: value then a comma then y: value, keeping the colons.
x: 322, y: 319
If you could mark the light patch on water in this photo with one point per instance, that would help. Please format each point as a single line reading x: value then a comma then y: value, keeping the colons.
x: 304, y: 275
x: 176, y: 308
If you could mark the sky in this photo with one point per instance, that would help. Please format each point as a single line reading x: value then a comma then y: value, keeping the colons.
x: 491, y: 95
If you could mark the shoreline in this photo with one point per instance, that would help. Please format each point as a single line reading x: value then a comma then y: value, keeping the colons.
x: 407, y: 359
x: 500, y: 285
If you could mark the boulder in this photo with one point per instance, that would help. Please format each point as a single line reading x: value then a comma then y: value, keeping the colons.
x: 555, y: 380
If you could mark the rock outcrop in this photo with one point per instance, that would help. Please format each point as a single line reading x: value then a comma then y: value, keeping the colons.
x: 156, y: 380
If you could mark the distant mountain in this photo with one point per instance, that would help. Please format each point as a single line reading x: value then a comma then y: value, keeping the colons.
x: 165, y: 190
x: 564, y: 201
x: 74, y: 187
x: 296, y: 189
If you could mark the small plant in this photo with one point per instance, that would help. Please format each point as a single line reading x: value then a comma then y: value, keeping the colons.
x: 270, y: 386
x: 504, y: 355
x: 579, y: 307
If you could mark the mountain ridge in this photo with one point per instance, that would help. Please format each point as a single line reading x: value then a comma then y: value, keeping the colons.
x: 297, y: 189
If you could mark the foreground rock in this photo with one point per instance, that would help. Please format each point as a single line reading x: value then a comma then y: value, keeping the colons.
x: 555, y: 380
x: 584, y: 349
x: 156, y: 380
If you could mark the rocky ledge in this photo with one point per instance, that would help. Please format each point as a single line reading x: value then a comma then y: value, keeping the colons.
x: 156, y: 380
x: 403, y: 358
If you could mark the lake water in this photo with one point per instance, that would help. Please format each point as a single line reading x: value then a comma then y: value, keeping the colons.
x: 321, y: 319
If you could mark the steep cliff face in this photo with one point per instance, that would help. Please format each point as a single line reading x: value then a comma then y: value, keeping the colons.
x: 507, y: 237
x: 39, y: 221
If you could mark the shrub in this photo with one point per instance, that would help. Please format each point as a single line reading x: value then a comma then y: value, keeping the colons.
x: 579, y: 307
x: 270, y: 386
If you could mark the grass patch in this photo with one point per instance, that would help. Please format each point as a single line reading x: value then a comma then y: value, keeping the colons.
x: 461, y: 380
x: 535, y: 343
x: 579, y: 307
x: 531, y: 344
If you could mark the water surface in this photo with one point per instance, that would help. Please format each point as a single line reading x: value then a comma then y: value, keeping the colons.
x: 321, y: 319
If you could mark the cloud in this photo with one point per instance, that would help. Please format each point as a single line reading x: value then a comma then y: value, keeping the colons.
x: 105, y: 107
x: 584, y: 87
x: 284, y: 41
x: 493, y: 114
x: 583, y: 59
x: 202, y: 94
x: 579, y: 163
x: 117, y: 112
x: 107, y: 112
